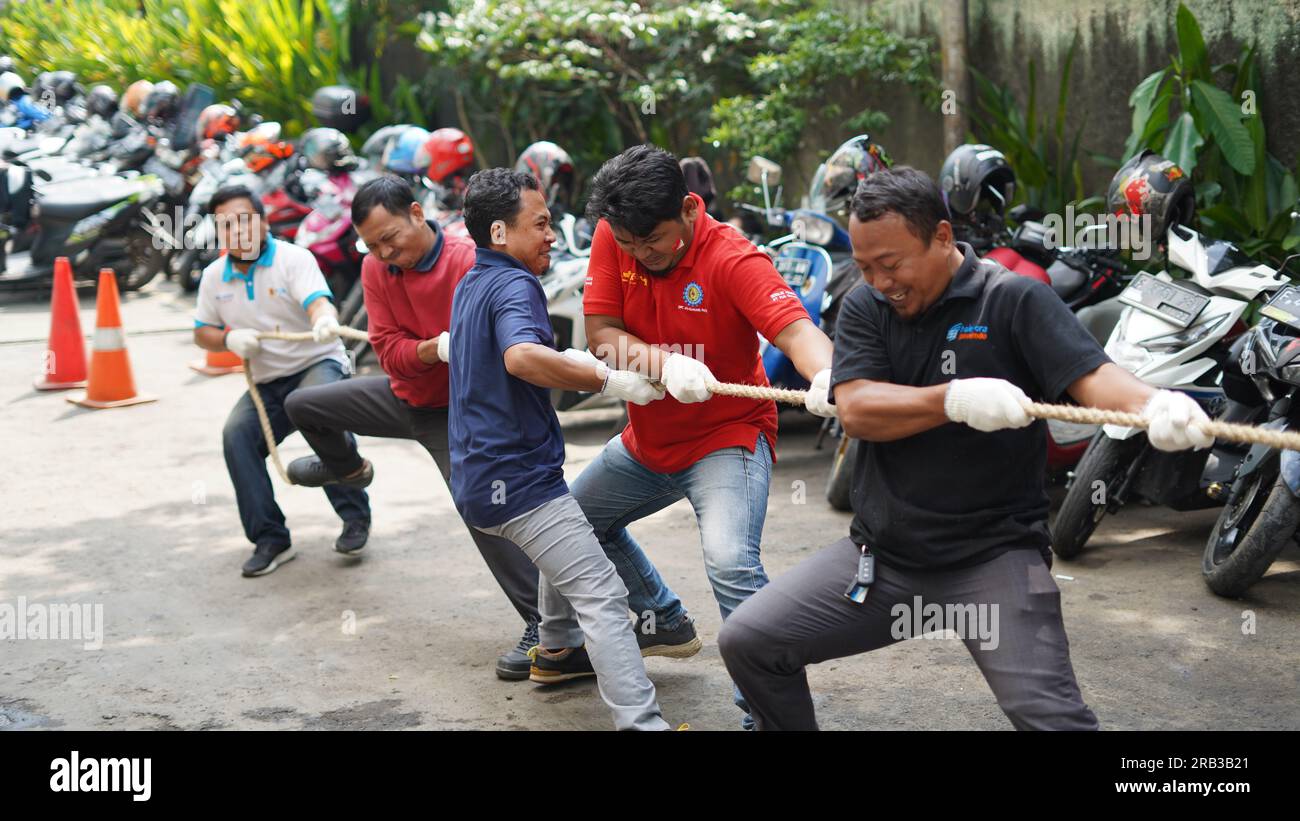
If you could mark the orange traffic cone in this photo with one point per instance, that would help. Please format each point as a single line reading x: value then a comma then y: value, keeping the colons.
x: 65, y: 355
x: 110, y: 384
x: 218, y: 363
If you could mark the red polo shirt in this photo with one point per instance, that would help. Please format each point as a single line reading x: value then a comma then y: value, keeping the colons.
x: 408, y: 307
x: 719, y: 298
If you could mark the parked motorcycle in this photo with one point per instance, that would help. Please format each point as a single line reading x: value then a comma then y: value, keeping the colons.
x: 1174, y: 335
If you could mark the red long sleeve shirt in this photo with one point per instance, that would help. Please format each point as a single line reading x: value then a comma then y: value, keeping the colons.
x: 407, y: 307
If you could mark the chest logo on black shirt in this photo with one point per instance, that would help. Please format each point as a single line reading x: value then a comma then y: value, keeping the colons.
x: 960, y: 331
x: 693, y: 296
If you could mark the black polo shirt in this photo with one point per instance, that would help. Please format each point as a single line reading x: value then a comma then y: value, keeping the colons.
x: 954, y: 496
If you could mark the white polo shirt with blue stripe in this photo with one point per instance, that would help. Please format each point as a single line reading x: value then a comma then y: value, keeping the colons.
x: 272, y: 296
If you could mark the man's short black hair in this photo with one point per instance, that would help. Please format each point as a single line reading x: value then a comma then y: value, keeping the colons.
x: 494, y: 194
x: 393, y: 193
x: 904, y: 191
x: 226, y: 193
x: 637, y: 190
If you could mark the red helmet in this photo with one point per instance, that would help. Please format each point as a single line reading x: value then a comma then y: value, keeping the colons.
x: 1150, y: 184
x: 217, y: 120
x: 447, y: 153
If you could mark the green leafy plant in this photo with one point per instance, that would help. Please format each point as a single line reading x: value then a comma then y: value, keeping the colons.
x: 1183, y: 111
x: 1049, y: 175
x: 270, y: 54
x: 815, y: 60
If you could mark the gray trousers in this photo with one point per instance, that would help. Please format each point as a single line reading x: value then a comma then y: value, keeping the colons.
x: 582, y: 597
x: 366, y: 406
x: 803, y: 617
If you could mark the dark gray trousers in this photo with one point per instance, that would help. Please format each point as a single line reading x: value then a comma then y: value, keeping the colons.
x: 802, y: 618
x: 366, y: 406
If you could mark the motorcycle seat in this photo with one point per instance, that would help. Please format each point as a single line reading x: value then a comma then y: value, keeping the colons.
x: 1066, y: 279
x: 79, y: 198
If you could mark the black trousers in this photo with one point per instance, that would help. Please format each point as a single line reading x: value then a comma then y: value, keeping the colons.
x: 802, y: 617
x: 366, y: 406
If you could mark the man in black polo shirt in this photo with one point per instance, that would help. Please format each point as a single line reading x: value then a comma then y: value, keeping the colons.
x: 933, y: 362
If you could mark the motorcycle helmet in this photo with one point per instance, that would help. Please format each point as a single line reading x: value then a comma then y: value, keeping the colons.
x: 134, y: 97
x: 6, y: 63
x: 551, y: 166
x: 400, y: 158
x: 837, y: 179
x: 973, y: 174
x: 1150, y: 184
x: 262, y: 147
x: 56, y: 87
x: 11, y: 86
x: 216, y: 121
x: 327, y: 149
x: 341, y: 107
x: 374, y: 148
x: 102, y: 101
x: 446, y: 153
x: 163, y: 102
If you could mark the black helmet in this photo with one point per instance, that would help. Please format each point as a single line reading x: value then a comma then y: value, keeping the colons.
x: 341, y: 107
x: 102, y: 101
x: 553, y: 168
x: 163, y: 102
x: 837, y: 179
x: 1150, y: 184
x: 58, y: 87
x: 327, y: 149
x: 699, y: 179
x: 973, y: 174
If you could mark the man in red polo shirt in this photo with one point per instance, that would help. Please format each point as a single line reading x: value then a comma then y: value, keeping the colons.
x: 682, y: 298
x: 408, y: 279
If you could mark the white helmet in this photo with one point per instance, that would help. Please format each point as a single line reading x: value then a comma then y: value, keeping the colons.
x: 10, y: 83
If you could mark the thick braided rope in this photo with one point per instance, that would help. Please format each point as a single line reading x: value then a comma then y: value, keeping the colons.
x: 262, y: 417
x: 1249, y: 434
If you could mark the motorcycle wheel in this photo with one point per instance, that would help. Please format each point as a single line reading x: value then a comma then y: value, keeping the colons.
x: 1105, y: 461
x: 1259, y: 519
x: 839, y: 484
x: 187, y: 269
x: 144, y: 262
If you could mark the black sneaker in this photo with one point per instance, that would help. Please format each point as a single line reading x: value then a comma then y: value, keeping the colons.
x: 679, y: 643
x: 354, y: 536
x: 566, y: 665
x: 310, y: 471
x: 266, y: 558
x: 515, y: 665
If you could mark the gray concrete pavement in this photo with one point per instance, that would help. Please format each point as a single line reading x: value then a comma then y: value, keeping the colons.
x: 132, y: 509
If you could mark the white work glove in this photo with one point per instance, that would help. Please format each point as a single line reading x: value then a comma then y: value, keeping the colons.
x: 444, y: 346
x: 626, y: 385
x: 326, y: 328
x: 818, y: 399
x: 244, y: 342
x: 687, y: 379
x: 986, y: 404
x: 1171, y: 418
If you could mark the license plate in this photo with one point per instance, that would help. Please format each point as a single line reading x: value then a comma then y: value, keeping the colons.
x: 1167, y: 300
x: 1284, y: 307
x: 793, y: 269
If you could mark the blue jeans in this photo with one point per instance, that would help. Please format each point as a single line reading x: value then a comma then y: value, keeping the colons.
x: 728, y: 490
x: 246, y: 453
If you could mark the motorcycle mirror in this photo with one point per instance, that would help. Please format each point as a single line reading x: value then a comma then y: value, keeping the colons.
x: 763, y: 170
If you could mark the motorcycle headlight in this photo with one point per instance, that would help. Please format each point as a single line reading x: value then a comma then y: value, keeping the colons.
x: 1185, y: 338
x: 812, y: 231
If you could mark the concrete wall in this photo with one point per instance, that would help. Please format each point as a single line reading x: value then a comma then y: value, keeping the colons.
x: 1120, y: 42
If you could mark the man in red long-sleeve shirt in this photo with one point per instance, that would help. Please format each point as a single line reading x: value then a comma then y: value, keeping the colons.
x: 408, y: 279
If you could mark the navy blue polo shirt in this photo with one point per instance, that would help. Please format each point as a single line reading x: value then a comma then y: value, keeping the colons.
x: 954, y: 496
x: 507, y: 451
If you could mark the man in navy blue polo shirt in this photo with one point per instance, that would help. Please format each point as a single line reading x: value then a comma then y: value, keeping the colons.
x: 934, y: 361
x: 507, y: 451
